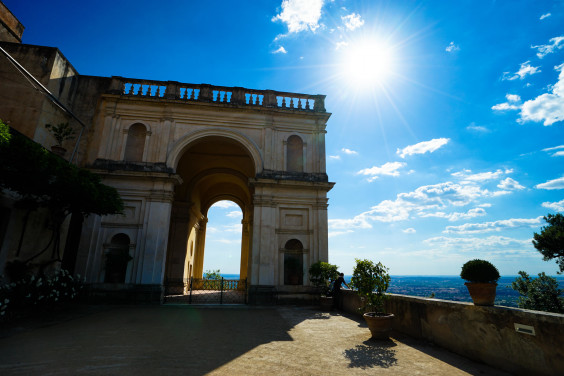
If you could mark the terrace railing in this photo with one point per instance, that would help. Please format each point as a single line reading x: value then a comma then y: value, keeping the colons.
x: 237, y: 96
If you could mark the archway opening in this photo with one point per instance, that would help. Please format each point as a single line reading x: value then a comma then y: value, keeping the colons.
x: 213, y: 170
x: 223, y: 239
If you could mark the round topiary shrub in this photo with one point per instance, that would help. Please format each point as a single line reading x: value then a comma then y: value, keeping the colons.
x: 479, y: 271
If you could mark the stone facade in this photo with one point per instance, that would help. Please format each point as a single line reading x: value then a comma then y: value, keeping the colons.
x: 172, y: 150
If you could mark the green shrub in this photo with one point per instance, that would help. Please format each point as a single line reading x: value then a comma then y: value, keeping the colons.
x: 33, y: 294
x: 320, y: 275
x: 479, y: 271
x: 371, y: 282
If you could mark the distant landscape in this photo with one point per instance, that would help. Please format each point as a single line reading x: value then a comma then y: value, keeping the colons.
x: 445, y: 287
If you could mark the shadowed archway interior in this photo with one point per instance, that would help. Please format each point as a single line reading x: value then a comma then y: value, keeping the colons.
x: 212, y: 169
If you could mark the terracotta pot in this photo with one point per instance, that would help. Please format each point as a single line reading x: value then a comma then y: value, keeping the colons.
x: 59, y: 150
x: 326, y: 303
x: 483, y: 294
x: 380, y: 324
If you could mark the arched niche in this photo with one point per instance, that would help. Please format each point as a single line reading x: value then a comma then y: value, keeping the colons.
x: 295, y: 154
x: 135, y: 145
x: 116, y: 259
x: 293, y: 263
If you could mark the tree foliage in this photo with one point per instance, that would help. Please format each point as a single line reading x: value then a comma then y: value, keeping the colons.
x: 371, y: 281
x: 212, y: 274
x: 540, y: 294
x: 46, y: 180
x: 321, y: 273
x: 550, y: 241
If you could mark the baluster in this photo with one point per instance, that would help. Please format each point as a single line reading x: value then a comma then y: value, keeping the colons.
x: 291, y: 102
x: 255, y: 99
x: 189, y: 93
x: 223, y: 95
x: 134, y: 90
x: 122, y: 87
x: 307, y: 107
x: 158, y: 93
x: 283, y: 102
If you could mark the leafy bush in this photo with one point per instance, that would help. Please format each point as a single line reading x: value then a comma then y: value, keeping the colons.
x: 372, y: 281
x: 539, y: 294
x: 320, y: 275
x: 479, y: 271
x: 33, y: 293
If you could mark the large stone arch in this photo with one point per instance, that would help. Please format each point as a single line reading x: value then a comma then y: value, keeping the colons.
x: 213, y: 167
x: 177, y: 150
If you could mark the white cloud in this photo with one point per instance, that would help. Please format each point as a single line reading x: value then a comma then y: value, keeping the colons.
x: 423, y: 147
x: 340, y: 45
x: 227, y: 241
x: 349, y: 151
x: 558, y: 154
x: 554, y: 148
x: 524, y: 70
x: 513, y: 98
x: 337, y: 233
x: 300, y: 15
x: 477, y: 128
x: 487, y: 244
x: 352, y: 21
x: 237, y: 227
x: 546, y: 15
x: 556, y: 206
x: 466, y: 176
x: 409, y: 231
x: 335, y: 157
x: 452, y: 47
x: 456, y: 216
x: 552, y: 184
x: 234, y: 214
x: 549, y: 106
x: 225, y: 204
x: 389, y: 169
x: 505, y: 106
x: 510, y: 184
x: 545, y: 49
x: 504, y: 224
x: 281, y: 50
x: 425, y: 199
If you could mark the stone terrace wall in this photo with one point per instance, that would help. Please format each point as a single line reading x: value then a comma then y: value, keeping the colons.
x: 485, y: 334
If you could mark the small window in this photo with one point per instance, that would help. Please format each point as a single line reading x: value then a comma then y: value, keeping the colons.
x: 293, y: 263
x: 295, y: 154
x: 135, y: 143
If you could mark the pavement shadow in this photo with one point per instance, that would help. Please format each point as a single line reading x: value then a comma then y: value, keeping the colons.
x: 372, y: 353
x: 141, y: 340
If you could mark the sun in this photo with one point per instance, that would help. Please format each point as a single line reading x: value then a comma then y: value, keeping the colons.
x: 367, y: 63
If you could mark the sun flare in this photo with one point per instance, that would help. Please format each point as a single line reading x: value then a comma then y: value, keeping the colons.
x: 368, y: 63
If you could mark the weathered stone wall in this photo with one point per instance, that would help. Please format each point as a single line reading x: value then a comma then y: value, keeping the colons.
x: 485, y: 334
x: 11, y: 29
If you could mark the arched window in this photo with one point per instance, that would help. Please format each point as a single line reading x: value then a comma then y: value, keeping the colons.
x: 295, y: 154
x: 135, y: 143
x: 293, y: 263
x: 117, y: 257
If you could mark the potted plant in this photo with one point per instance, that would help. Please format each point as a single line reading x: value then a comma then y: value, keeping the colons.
x: 61, y: 132
x: 320, y: 275
x: 371, y: 282
x: 482, y: 279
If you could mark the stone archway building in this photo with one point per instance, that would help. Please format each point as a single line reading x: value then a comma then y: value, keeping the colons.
x: 173, y: 150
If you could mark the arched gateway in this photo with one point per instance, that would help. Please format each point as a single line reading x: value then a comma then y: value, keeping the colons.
x: 195, y: 145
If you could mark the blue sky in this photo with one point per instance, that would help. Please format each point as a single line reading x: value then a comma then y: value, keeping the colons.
x: 447, y: 135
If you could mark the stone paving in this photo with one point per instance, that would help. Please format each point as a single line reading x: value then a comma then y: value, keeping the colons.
x: 217, y: 340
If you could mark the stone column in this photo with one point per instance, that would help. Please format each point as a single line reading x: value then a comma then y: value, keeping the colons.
x: 244, y: 250
x: 200, y: 246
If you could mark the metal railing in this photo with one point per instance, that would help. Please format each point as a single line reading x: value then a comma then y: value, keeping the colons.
x: 212, y: 291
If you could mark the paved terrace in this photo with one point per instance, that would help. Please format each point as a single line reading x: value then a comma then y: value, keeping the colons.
x: 227, y: 340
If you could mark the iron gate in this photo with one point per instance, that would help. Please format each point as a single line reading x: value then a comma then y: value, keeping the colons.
x: 212, y: 291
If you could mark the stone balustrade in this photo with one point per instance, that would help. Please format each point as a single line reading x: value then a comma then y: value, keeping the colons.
x: 237, y: 96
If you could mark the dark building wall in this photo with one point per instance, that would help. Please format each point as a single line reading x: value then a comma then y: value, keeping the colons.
x: 11, y: 29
